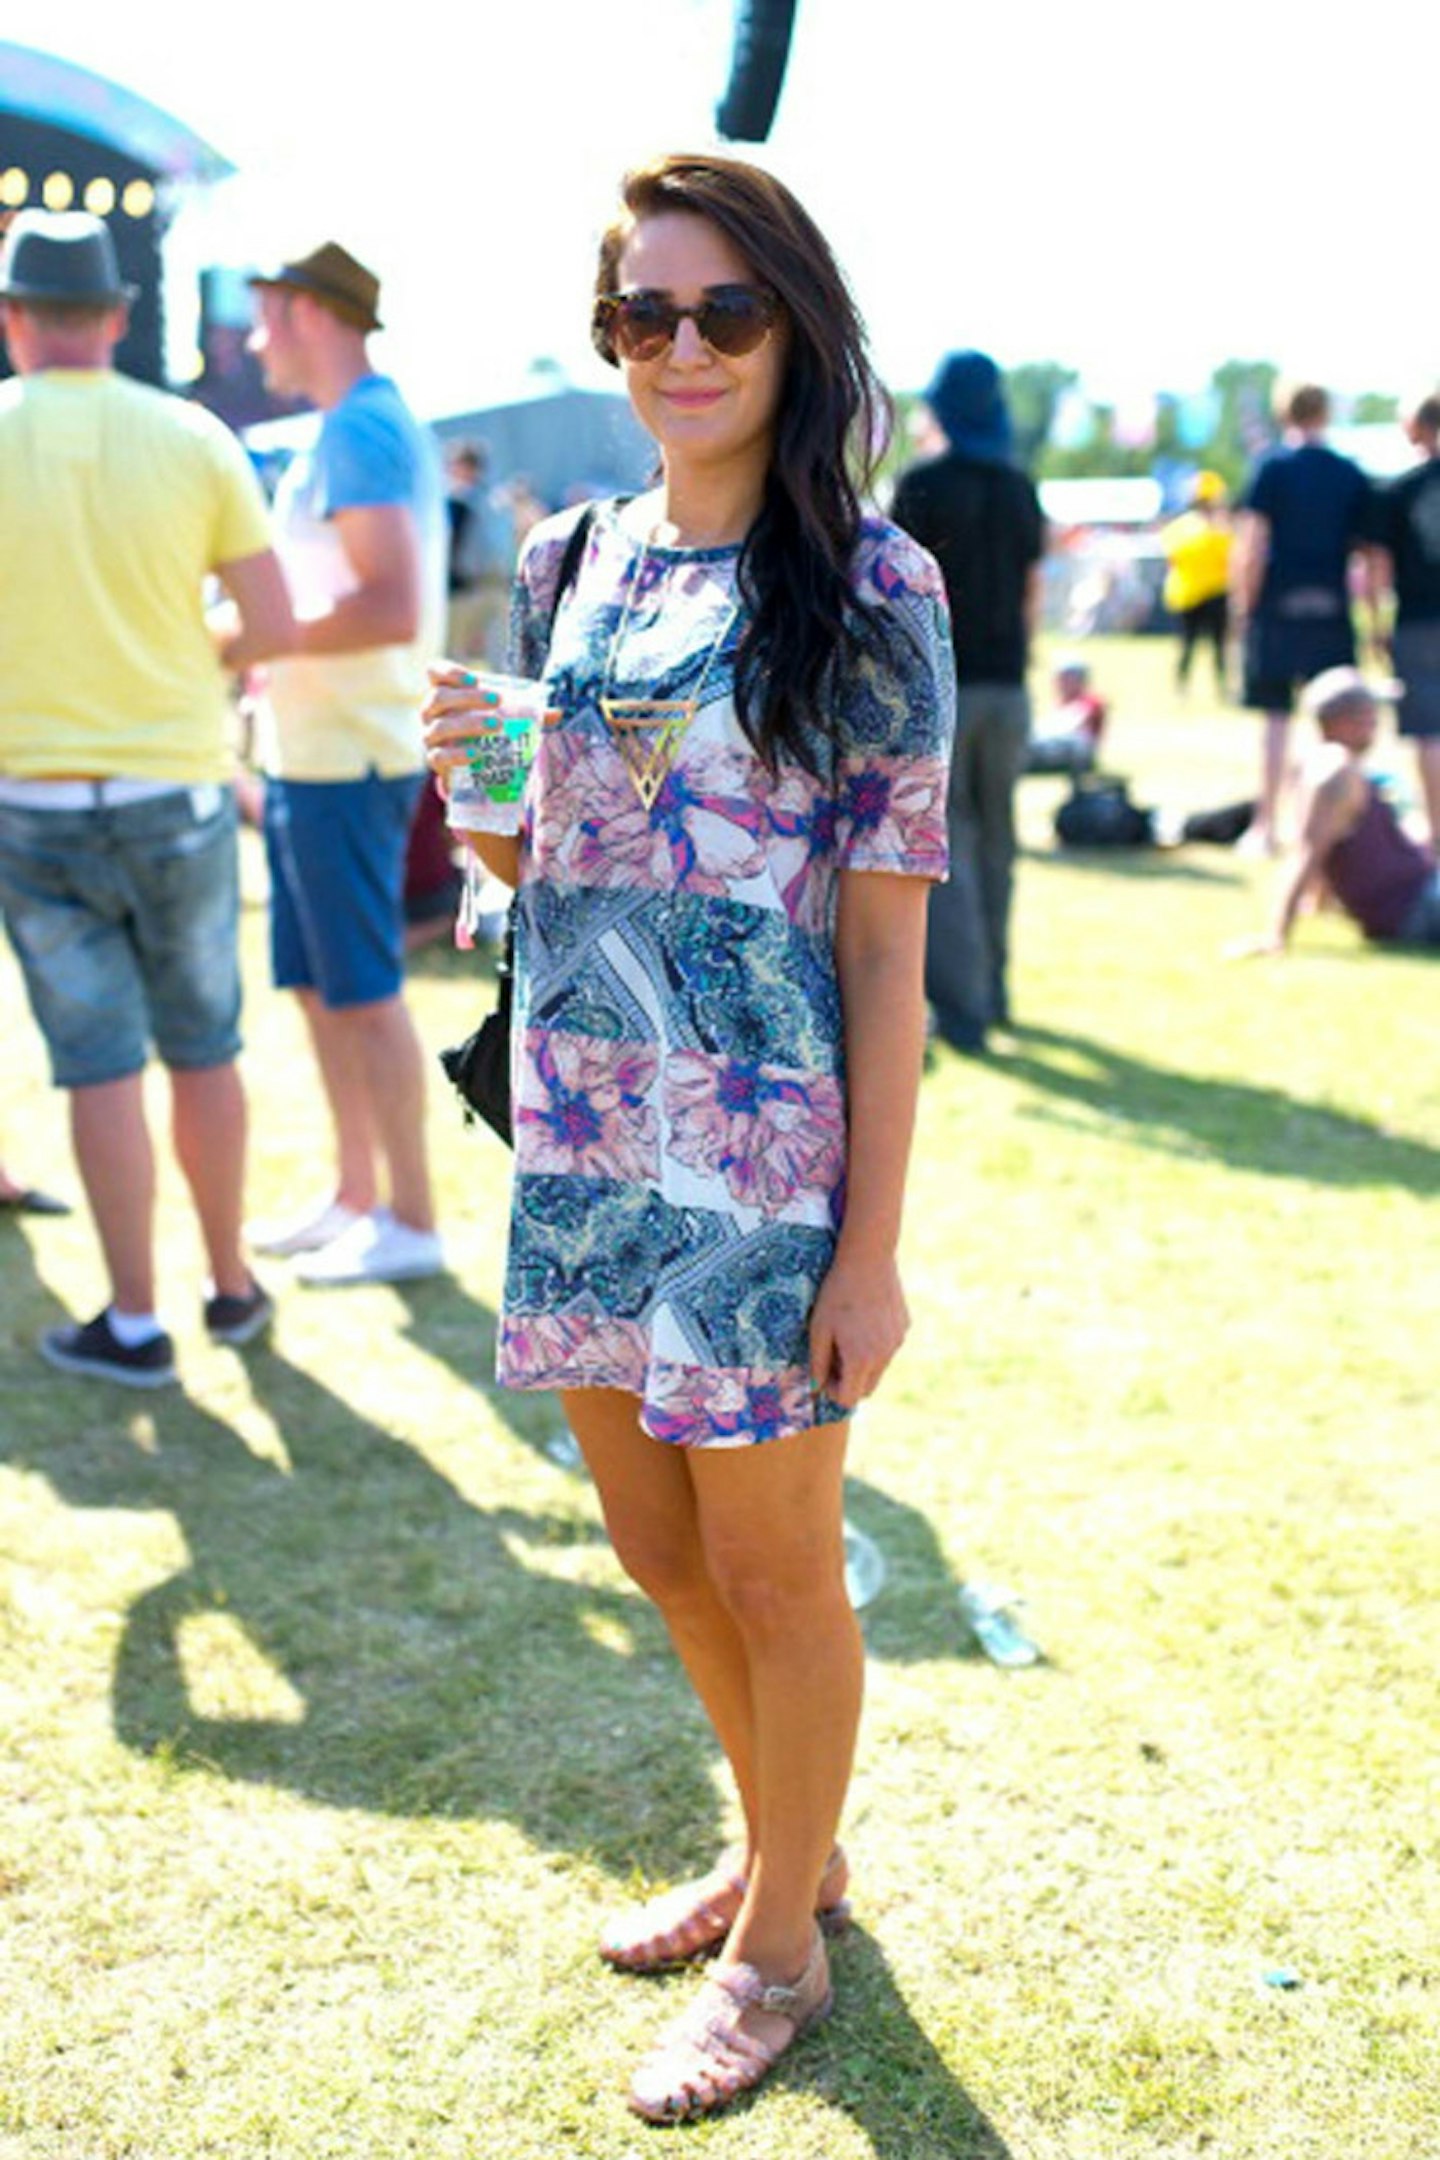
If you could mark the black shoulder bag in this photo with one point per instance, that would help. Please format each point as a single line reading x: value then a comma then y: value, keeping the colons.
x: 479, y: 1068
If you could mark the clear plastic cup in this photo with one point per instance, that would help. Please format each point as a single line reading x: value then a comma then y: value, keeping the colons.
x: 485, y: 791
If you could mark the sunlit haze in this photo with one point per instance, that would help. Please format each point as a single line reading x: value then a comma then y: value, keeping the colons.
x: 1137, y: 193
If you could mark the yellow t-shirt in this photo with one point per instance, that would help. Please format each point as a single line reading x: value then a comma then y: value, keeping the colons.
x: 1199, y: 554
x: 116, y: 501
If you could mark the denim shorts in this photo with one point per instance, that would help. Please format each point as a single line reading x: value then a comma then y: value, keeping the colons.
x: 337, y: 883
x: 124, y: 919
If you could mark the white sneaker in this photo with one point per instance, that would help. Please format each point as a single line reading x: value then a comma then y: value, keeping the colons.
x: 283, y: 1236
x: 375, y: 1248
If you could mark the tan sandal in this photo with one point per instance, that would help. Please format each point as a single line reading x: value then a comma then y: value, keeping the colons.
x: 693, y: 1919
x: 707, y: 2058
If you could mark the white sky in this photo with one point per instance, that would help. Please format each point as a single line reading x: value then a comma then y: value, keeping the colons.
x: 1140, y: 192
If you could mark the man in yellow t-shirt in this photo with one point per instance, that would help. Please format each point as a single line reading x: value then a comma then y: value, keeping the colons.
x: 1197, y: 547
x: 117, y: 833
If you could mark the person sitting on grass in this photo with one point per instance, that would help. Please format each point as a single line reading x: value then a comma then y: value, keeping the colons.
x: 1068, y: 738
x: 1351, y: 842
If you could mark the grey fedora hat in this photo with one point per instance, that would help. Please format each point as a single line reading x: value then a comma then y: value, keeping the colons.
x: 60, y: 257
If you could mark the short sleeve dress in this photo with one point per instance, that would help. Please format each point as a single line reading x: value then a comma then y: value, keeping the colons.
x: 678, y: 1070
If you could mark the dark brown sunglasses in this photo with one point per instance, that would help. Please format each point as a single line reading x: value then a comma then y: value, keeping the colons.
x: 732, y: 319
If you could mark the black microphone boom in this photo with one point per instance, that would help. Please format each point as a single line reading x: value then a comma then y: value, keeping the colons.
x: 757, y: 69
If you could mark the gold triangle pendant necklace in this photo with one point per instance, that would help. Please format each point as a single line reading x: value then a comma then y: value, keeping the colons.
x: 648, y: 732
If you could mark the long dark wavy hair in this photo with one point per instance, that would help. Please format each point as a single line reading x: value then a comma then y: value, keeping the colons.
x: 803, y: 622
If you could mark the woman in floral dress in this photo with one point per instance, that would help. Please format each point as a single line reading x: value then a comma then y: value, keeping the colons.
x: 728, y: 841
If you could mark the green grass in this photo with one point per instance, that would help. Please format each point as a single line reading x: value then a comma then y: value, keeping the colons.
x: 332, y: 1728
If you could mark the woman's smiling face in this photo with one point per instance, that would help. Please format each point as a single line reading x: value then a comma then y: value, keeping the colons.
x: 701, y: 406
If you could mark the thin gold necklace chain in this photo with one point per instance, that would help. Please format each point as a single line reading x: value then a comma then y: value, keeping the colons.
x: 624, y: 623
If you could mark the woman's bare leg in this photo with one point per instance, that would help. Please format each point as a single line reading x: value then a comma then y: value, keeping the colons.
x: 648, y: 1498
x: 771, y: 1524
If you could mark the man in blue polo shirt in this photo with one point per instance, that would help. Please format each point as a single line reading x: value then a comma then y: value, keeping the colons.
x: 359, y: 528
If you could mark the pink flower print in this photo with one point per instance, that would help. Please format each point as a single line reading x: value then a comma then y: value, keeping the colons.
x: 579, y: 800
x: 802, y: 825
x: 572, y: 1350
x: 895, y: 564
x: 709, y: 817
x: 892, y: 811
x: 582, y: 1107
x: 695, y: 1406
x: 701, y: 835
x: 777, y: 1138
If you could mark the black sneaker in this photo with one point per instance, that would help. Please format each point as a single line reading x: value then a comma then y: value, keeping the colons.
x: 95, y: 1351
x: 239, y: 1320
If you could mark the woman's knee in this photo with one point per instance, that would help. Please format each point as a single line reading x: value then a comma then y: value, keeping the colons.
x: 659, y: 1558
x: 772, y: 1587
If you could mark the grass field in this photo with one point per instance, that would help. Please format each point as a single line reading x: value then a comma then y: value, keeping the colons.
x: 331, y: 1728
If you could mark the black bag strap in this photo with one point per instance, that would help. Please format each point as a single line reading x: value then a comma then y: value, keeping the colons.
x: 571, y: 559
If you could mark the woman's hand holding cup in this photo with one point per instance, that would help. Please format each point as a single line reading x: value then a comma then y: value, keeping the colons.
x: 480, y: 731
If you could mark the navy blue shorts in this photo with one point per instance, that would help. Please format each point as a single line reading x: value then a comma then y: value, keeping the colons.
x: 1281, y: 657
x: 337, y: 881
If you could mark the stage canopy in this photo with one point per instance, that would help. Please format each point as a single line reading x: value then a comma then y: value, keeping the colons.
x: 38, y: 86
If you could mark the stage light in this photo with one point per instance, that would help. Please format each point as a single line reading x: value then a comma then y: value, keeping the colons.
x: 100, y: 197
x: 138, y: 199
x: 58, y: 192
x: 14, y: 187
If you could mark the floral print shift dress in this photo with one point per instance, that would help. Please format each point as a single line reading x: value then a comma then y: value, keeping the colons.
x: 677, y: 1053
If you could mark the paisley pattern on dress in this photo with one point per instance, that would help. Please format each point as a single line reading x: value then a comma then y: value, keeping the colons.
x: 679, y: 1081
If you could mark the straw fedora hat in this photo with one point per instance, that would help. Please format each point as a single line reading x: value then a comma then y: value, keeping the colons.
x: 332, y: 274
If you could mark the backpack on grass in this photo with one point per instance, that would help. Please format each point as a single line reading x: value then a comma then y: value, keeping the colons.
x: 1098, y: 813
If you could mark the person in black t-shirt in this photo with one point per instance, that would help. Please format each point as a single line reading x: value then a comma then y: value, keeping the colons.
x: 1407, y: 528
x: 1304, y: 513
x: 980, y: 518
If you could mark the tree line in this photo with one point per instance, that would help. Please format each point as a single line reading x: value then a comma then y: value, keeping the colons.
x: 1224, y: 428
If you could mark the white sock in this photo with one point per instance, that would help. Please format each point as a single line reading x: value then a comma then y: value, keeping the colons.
x: 132, y: 1330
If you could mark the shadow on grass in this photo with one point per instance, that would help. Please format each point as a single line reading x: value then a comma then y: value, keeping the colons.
x: 428, y: 1649
x: 1141, y: 865
x: 1247, y: 1127
x: 458, y: 1331
x: 426, y: 1652
x: 22, y: 1294
x: 916, y: 1617
x: 875, y: 2063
